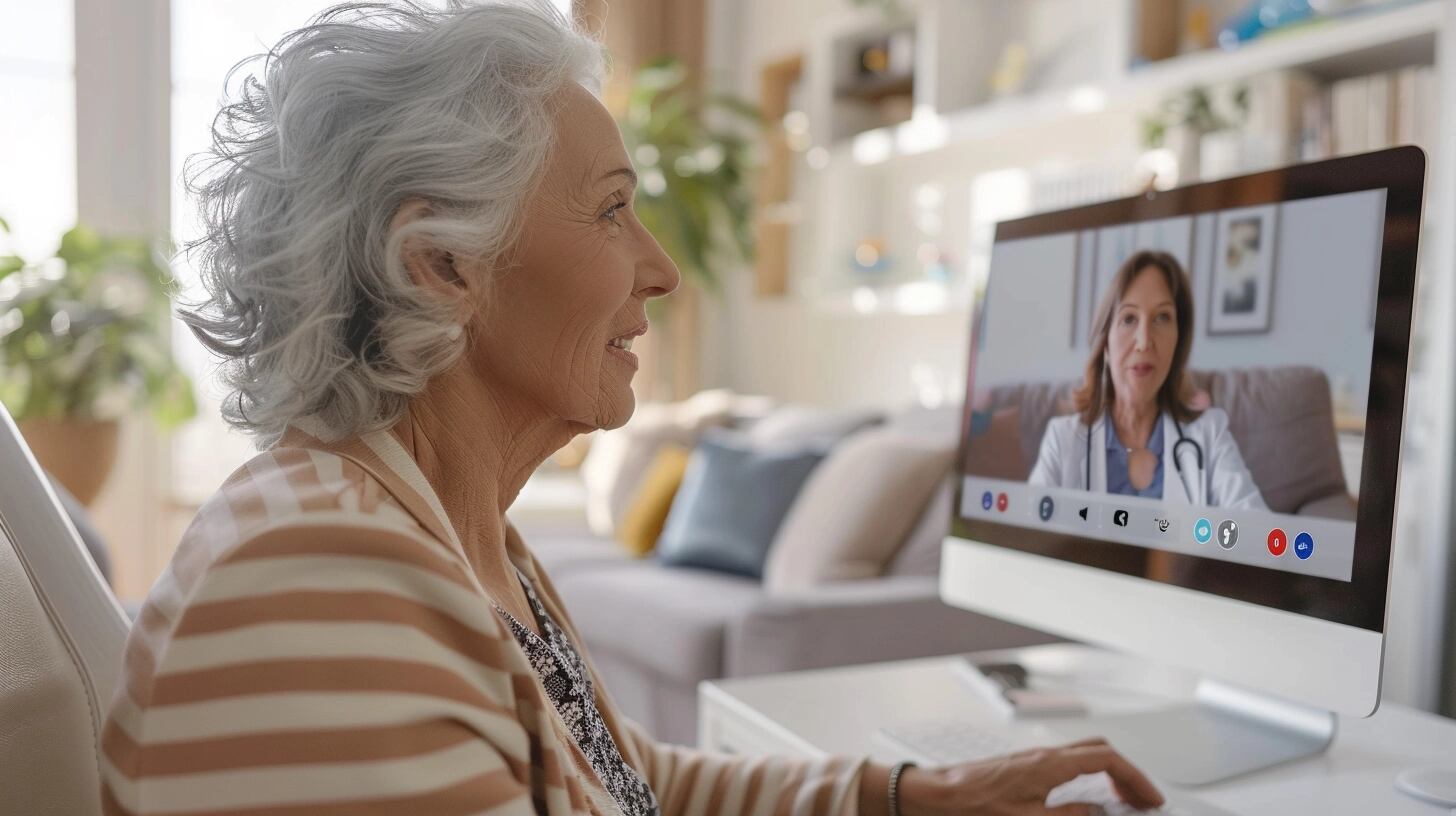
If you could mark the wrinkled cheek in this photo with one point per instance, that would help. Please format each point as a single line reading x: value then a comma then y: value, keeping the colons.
x: 576, y: 375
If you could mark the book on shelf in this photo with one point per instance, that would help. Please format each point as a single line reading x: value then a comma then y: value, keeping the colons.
x: 1364, y: 113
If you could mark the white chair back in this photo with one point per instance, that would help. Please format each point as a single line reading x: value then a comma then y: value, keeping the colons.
x: 60, y: 647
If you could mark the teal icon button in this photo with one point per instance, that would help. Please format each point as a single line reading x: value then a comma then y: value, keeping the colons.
x: 1203, y: 531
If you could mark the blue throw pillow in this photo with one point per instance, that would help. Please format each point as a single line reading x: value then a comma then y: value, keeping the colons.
x: 730, y: 505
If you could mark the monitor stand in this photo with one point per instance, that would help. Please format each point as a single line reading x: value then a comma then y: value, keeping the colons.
x: 1224, y: 732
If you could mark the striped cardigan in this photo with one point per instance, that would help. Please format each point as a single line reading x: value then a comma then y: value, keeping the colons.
x: 320, y: 645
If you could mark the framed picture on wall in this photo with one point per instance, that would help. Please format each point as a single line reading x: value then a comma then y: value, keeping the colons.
x: 1241, y: 286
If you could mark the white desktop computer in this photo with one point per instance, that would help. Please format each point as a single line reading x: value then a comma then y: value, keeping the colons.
x: 1182, y: 440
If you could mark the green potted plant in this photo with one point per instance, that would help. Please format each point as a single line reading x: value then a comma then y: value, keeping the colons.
x: 84, y: 339
x: 694, y: 153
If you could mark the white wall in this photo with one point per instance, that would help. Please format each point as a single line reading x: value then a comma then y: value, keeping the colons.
x: 1030, y: 305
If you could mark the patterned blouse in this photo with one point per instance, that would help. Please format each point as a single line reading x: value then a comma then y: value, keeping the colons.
x: 569, y: 685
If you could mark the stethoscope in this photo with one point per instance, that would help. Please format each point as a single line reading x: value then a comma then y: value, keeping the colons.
x: 1177, y: 460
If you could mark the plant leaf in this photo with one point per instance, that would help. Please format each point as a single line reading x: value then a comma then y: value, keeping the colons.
x: 701, y: 216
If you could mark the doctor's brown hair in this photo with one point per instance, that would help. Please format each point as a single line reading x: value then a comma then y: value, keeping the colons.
x: 1095, y: 395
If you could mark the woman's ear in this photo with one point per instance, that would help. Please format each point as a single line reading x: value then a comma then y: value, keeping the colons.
x: 429, y: 267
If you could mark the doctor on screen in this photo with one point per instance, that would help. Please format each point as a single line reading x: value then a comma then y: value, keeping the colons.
x: 1134, y: 432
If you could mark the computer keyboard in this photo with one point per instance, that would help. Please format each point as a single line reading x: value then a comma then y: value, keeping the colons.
x: 947, y: 742
x: 941, y: 742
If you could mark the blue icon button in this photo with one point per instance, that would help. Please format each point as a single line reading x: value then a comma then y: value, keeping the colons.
x: 1202, y: 531
x: 1304, y: 545
x: 987, y: 500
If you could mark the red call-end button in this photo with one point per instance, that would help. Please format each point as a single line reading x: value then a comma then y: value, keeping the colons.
x: 1278, y: 542
x: 1002, y: 502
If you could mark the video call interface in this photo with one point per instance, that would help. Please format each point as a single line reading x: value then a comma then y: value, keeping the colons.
x: 1192, y: 385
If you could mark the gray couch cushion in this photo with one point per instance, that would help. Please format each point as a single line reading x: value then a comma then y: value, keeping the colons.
x: 670, y: 620
x: 732, y: 500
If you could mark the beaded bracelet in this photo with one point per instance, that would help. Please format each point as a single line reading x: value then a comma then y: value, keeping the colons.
x: 895, y: 786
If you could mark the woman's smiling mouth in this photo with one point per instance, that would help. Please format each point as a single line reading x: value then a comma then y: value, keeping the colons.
x: 621, y: 345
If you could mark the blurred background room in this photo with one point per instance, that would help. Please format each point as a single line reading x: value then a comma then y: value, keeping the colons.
x: 828, y: 175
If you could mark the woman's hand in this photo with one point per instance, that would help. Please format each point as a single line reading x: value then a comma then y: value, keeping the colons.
x: 1016, y: 784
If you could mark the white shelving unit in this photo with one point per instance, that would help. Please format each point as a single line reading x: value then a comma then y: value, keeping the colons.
x: 868, y: 181
x: 1357, y: 45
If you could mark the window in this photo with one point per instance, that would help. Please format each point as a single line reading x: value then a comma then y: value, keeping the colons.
x: 209, y: 37
x: 38, y: 140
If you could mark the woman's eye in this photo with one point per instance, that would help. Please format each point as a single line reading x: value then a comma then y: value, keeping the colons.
x: 611, y: 213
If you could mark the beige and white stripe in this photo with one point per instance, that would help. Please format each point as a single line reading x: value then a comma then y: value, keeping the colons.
x: 319, y: 645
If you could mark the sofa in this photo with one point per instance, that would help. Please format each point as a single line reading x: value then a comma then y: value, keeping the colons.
x: 656, y: 632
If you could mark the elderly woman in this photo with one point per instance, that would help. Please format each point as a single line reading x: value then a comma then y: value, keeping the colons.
x: 1135, y: 432
x: 425, y: 277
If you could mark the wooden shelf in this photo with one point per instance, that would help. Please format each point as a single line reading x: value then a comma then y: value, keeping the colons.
x: 878, y: 88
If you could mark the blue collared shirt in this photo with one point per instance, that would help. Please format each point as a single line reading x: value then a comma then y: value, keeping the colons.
x: 1118, y: 479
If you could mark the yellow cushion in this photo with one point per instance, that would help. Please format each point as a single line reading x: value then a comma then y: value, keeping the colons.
x: 647, y: 512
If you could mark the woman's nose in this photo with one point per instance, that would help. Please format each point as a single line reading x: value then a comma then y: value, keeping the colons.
x: 657, y: 274
x: 1141, y: 339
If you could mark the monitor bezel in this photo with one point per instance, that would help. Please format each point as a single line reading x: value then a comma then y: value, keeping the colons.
x: 1361, y: 602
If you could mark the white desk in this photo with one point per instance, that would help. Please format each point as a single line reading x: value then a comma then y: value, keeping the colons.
x: 839, y: 711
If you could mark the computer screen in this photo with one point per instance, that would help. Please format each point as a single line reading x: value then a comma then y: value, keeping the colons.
x: 1185, y: 386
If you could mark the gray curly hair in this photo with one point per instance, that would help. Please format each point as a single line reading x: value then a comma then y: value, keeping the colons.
x: 369, y: 105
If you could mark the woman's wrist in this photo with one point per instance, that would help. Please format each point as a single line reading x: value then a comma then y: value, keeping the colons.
x: 874, y: 790
x: 918, y: 791
x: 896, y: 772
x: 921, y: 792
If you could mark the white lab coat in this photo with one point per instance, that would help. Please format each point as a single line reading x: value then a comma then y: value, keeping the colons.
x: 1223, y: 481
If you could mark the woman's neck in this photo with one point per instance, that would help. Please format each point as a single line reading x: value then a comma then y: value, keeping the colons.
x: 477, y: 450
x: 1134, y: 423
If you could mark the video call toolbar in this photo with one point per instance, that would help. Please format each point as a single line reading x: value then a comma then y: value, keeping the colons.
x: 1292, y: 543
